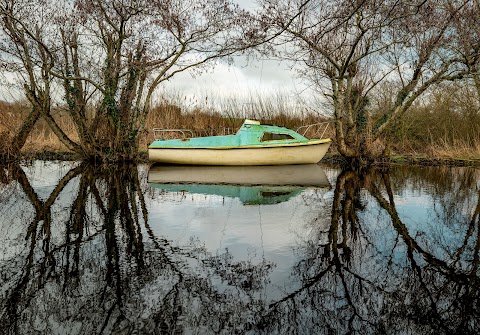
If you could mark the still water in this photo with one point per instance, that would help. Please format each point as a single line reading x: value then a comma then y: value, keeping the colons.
x: 276, y: 250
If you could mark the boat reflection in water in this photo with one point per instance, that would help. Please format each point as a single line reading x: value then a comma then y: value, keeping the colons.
x: 87, y: 249
x: 253, y: 185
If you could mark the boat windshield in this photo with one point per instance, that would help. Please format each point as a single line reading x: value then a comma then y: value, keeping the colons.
x: 276, y: 137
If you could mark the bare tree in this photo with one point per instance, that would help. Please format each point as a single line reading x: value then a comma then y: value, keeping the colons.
x: 103, y: 61
x: 467, y: 24
x: 21, y: 54
x: 345, y: 49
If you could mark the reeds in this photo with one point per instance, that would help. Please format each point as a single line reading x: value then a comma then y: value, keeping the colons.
x: 206, y: 117
x: 11, y: 116
x: 444, y: 124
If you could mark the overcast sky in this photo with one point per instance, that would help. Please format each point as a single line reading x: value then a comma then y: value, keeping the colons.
x: 240, y: 79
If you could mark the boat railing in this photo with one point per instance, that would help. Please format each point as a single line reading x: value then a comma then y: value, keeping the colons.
x: 315, y: 130
x: 163, y: 133
x: 214, y: 131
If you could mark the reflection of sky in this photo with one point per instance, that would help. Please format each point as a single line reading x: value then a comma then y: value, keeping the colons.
x: 17, y: 211
x: 426, y: 221
x: 276, y: 233
x: 248, y: 232
x: 280, y: 232
x: 426, y: 224
x: 46, y: 175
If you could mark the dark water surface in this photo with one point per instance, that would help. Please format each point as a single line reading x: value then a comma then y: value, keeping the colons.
x: 88, y: 250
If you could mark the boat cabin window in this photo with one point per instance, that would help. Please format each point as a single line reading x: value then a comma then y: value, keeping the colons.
x: 276, y: 137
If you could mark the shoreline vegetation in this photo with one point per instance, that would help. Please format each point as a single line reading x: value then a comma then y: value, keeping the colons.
x: 443, y: 130
x: 396, y: 79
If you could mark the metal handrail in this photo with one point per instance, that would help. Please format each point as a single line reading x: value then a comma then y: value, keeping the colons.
x: 215, y: 131
x: 309, y: 126
x: 193, y: 132
x: 227, y: 131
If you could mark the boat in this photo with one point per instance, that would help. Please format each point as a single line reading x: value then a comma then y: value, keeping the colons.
x: 252, y: 185
x: 253, y: 144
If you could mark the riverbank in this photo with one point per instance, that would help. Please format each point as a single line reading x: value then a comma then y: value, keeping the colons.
x: 433, y: 134
x: 413, y: 160
x: 330, y: 158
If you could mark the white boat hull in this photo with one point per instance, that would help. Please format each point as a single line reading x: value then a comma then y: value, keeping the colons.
x: 310, y: 153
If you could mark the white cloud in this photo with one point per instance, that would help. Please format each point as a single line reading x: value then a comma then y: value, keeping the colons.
x: 241, y: 79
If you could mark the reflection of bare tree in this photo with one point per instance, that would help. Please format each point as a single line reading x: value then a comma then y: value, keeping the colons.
x: 459, y: 296
x: 447, y: 186
x: 474, y: 223
x: 352, y: 283
x: 98, y: 267
x: 91, y: 263
x: 35, y: 232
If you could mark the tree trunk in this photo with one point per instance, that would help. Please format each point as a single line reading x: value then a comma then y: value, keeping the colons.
x: 61, y: 135
x: 10, y: 151
x: 21, y: 137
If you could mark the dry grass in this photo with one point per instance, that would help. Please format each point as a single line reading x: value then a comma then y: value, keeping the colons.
x: 446, y: 125
x: 227, y: 117
x: 12, y: 116
x: 454, y: 151
x: 43, y: 139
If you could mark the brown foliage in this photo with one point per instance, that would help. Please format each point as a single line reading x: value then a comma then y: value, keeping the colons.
x: 447, y: 124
